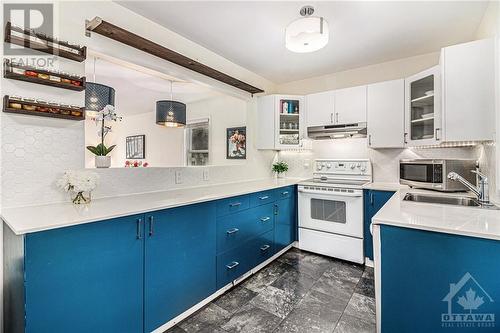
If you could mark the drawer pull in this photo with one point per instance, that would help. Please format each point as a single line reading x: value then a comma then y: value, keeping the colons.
x: 232, y: 231
x: 138, y: 230
x: 232, y: 265
x: 264, y: 197
x: 284, y: 193
x: 265, y: 219
x: 235, y: 204
x: 265, y: 247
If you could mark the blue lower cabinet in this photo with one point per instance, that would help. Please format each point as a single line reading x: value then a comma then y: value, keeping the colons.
x: 263, y: 247
x: 234, y: 263
x: 179, y: 261
x: 235, y: 229
x: 373, y: 202
x: 436, y: 282
x: 285, y: 226
x: 85, y: 278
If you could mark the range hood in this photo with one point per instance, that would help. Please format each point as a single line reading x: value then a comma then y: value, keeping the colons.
x: 356, y: 130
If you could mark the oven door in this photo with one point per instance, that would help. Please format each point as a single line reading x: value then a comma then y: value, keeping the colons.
x: 334, y: 212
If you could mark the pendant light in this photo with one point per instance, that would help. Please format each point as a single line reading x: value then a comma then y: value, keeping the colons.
x: 170, y: 113
x: 97, y: 95
x: 307, y: 34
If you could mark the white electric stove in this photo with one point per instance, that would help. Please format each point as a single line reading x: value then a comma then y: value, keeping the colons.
x: 331, y: 208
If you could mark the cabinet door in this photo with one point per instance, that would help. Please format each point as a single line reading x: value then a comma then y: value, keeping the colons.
x: 289, y: 121
x: 423, y: 108
x: 285, y: 226
x: 86, y: 278
x: 385, y: 114
x: 320, y: 108
x: 373, y: 202
x: 179, y: 261
x: 350, y: 105
x: 469, y: 91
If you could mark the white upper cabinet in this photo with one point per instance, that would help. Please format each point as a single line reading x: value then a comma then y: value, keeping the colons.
x: 385, y: 114
x: 422, y: 109
x: 320, y: 108
x: 468, y: 72
x: 350, y: 105
x: 280, y: 122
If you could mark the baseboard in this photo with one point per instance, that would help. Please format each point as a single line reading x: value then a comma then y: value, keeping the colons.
x: 219, y: 292
x: 368, y: 262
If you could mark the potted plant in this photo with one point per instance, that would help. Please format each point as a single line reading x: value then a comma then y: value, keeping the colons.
x: 102, y: 160
x: 280, y: 168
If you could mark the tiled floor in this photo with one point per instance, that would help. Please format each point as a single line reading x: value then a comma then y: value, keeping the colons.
x: 298, y: 292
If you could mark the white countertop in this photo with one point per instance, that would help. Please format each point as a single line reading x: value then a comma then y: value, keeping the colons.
x: 29, y: 219
x: 383, y: 186
x: 459, y: 220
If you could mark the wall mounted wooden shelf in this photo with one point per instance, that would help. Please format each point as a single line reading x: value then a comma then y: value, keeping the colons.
x: 7, y: 108
x: 109, y: 30
x: 9, y: 74
x: 42, y: 43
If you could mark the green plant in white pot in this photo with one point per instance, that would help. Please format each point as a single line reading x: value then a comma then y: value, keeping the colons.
x: 102, y: 160
x: 280, y: 168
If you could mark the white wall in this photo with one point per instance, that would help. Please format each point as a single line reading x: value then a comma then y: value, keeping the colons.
x: 224, y: 112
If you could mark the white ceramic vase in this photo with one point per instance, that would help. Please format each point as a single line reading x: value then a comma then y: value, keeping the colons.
x: 102, y: 161
x: 281, y: 174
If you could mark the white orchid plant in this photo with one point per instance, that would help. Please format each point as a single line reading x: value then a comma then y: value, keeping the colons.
x: 80, y: 183
x: 106, y: 114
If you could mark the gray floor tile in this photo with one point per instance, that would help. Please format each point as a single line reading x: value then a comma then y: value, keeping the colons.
x: 266, y: 276
x: 362, y: 307
x: 349, y: 324
x: 345, y: 271
x: 276, y: 301
x: 366, y: 287
x: 340, y: 289
x: 235, y: 298
x: 317, y: 312
x: 175, y: 329
x: 369, y: 273
x: 308, y: 263
x: 294, y: 282
x: 251, y: 319
x: 210, y: 316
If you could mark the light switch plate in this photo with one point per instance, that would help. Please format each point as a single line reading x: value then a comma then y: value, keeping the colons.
x: 178, y: 177
x: 206, y: 175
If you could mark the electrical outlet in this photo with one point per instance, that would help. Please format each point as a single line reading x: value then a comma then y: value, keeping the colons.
x: 178, y: 177
x: 206, y: 176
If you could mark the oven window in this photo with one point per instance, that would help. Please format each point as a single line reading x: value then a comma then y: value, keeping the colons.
x: 328, y: 210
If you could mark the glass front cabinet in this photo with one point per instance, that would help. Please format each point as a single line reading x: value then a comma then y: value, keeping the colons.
x: 423, y: 111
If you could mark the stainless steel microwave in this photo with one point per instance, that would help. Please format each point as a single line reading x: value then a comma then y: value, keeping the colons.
x: 433, y: 173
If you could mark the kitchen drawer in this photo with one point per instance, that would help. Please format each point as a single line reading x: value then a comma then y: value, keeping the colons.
x: 284, y: 192
x: 232, y: 205
x: 234, y: 229
x: 262, y: 198
x: 238, y: 261
x: 264, y: 247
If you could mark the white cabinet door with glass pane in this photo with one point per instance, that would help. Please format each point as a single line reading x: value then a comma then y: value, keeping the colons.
x: 422, y: 110
x: 289, y: 121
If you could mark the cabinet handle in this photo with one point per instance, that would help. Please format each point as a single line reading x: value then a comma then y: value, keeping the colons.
x: 265, y: 247
x: 331, y: 117
x: 404, y: 138
x: 235, y: 204
x: 437, y: 129
x: 284, y: 193
x: 232, y: 265
x: 138, y: 230
x: 369, y: 139
x: 371, y: 198
x: 275, y: 209
x: 264, y: 197
x: 337, y: 118
x: 265, y: 219
x: 232, y: 231
x: 151, y: 225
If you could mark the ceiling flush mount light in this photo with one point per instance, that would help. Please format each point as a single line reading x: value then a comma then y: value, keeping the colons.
x: 170, y: 113
x: 307, y: 34
x: 97, y: 95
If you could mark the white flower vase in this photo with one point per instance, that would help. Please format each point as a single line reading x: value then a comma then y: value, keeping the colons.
x: 102, y: 161
x: 281, y: 175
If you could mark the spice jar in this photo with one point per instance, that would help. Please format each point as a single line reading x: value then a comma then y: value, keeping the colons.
x: 54, y: 78
x: 43, y: 76
x: 31, y: 73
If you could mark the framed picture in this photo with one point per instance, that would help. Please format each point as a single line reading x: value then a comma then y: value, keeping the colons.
x: 135, y: 147
x: 236, y: 143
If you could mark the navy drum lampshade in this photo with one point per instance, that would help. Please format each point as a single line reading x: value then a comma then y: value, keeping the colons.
x: 97, y: 96
x: 170, y: 113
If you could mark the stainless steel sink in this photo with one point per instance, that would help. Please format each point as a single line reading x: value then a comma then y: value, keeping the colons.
x: 441, y: 199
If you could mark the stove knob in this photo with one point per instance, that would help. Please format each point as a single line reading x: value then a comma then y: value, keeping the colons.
x: 319, y: 166
x: 363, y: 168
x: 353, y: 166
x: 328, y: 165
x: 358, y: 165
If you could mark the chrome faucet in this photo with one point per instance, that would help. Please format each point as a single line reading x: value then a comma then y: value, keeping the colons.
x: 481, y: 191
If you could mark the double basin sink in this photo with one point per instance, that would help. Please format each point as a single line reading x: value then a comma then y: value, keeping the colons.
x: 446, y: 200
